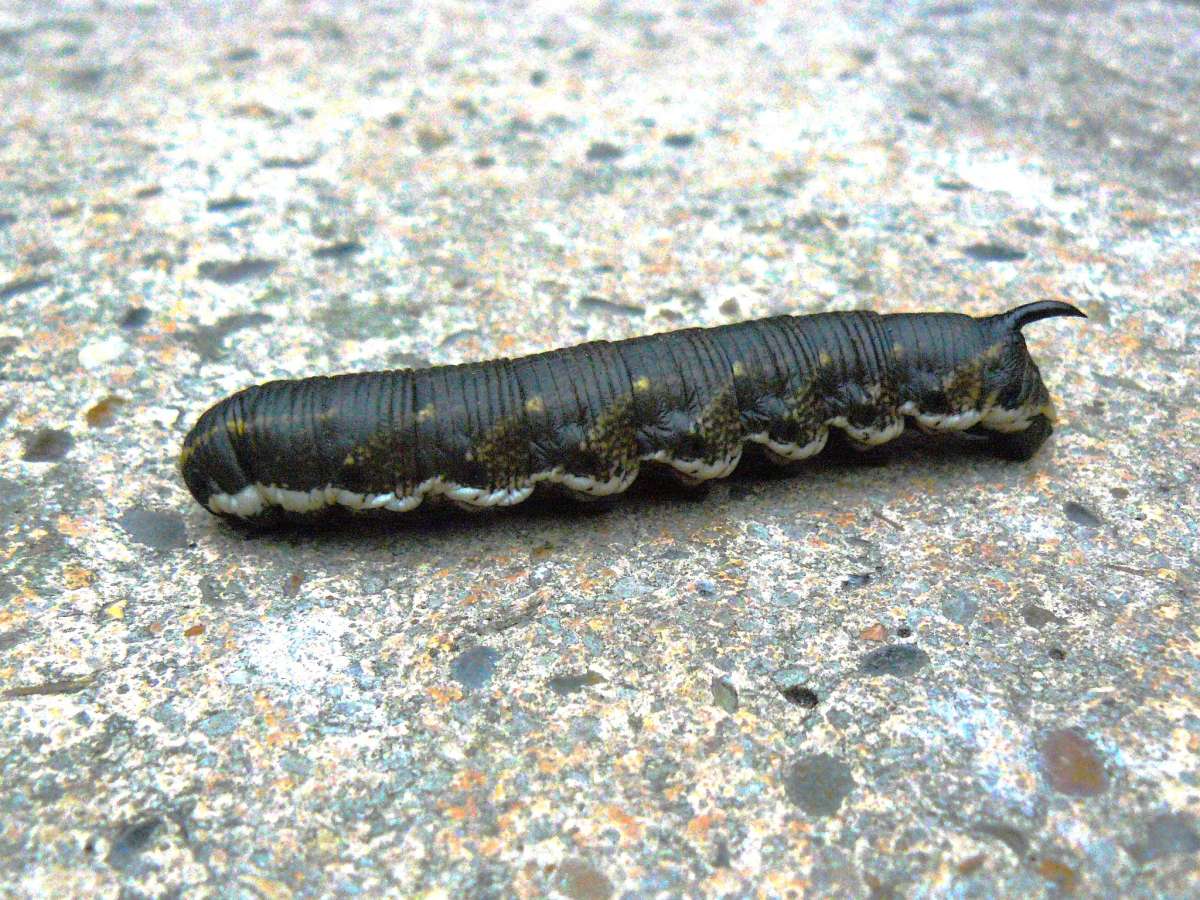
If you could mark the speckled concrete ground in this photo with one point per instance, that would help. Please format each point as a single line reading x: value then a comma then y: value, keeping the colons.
x: 941, y: 676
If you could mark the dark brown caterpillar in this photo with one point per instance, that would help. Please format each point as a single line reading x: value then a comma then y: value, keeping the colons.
x: 487, y: 433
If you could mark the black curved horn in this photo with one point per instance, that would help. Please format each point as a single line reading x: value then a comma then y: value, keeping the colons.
x: 1034, y: 312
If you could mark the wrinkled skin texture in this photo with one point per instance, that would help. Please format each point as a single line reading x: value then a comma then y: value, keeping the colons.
x: 588, y: 417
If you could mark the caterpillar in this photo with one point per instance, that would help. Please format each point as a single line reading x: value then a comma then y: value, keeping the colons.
x: 588, y: 417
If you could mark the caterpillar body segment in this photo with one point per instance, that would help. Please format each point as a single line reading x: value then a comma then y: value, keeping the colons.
x: 589, y: 417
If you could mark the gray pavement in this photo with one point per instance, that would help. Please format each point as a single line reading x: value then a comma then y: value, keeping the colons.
x: 941, y: 675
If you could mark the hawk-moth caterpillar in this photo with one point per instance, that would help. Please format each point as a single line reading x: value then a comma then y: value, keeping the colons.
x: 587, y: 417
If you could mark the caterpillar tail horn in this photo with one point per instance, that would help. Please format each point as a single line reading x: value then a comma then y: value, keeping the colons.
x: 1018, y: 318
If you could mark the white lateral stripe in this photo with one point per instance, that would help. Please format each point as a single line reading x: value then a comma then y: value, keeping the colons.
x: 253, y: 499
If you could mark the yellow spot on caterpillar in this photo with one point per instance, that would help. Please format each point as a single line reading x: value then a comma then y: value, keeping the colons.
x: 641, y: 384
x: 738, y: 368
x: 349, y: 460
x: 824, y: 359
x: 185, y: 454
x: 535, y: 405
x: 898, y: 350
x: 426, y: 413
x: 237, y: 426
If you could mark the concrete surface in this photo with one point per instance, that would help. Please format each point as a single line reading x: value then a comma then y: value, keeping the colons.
x: 941, y: 676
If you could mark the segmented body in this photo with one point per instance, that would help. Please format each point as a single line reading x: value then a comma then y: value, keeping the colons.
x: 588, y: 417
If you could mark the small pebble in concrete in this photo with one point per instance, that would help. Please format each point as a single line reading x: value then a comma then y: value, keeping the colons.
x: 1058, y: 873
x: 220, y: 724
x: 971, y: 864
x: 953, y: 184
x: 104, y: 412
x: 1072, y: 764
x: 430, y: 140
x: 857, y: 580
x: 10, y: 639
x: 725, y: 695
x: 591, y: 301
x: 874, y: 632
x: 960, y: 609
x: 818, y: 784
x: 157, y: 529
x: 603, y: 151
x: 47, y: 445
x: 1081, y: 515
x: 474, y: 668
x: 131, y: 840
x: 19, y: 286
x: 791, y: 684
x: 580, y: 880
x: 338, y: 250
x: 1013, y: 838
x: 1039, y: 617
x: 573, y: 684
x: 994, y: 252
x: 235, y: 272
x: 900, y: 660
x: 82, y: 79
x: 288, y: 162
x: 228, y: 204
x: 805, y: 698
x: 134, y: 318
x: 295, y: 764
x: 1168, y: 834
